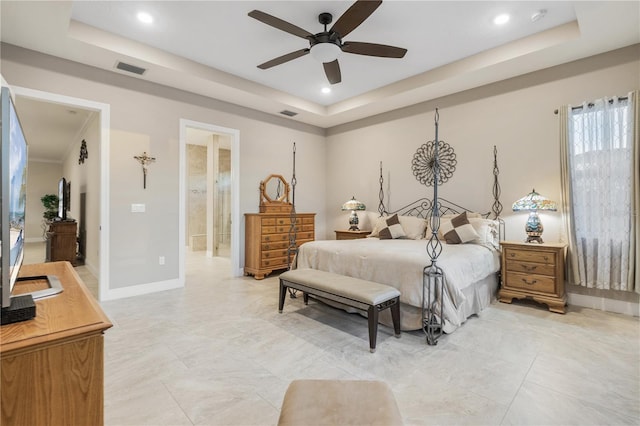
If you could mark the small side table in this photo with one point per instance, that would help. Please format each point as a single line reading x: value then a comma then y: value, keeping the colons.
x: 351, y: 235
x: 534, y: 271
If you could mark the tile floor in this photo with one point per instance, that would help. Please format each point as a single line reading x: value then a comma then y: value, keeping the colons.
x: 218, y: 353
x: 36, y: 253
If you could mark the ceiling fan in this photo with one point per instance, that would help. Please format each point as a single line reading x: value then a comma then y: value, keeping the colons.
x: 327, y: 45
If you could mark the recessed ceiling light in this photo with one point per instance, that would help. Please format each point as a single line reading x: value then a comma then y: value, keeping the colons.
x: 501, y: 19
x: 144, y: 17
x: 326, y: 90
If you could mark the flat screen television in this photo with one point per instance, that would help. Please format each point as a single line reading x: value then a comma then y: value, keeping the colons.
x: 63, y: 199
x: 13, y: 192
x: 13, y: 168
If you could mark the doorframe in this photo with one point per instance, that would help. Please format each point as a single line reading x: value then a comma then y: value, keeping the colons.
x: 104, y: 118
x: 234, y: 134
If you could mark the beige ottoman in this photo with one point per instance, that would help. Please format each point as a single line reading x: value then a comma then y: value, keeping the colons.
x: 339, y: 402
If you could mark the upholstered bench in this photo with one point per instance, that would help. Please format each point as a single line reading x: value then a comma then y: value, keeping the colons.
x: 339, y: 402
x: 360, y: 294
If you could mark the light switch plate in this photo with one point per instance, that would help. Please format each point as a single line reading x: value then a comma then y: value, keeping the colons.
x: 138, y: 208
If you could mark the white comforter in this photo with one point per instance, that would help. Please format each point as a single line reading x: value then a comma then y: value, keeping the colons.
x: 400, y: 263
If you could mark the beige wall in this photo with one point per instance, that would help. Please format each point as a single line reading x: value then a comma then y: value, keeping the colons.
x: 146, y: 116
x: 85, y: 178
x: 516, y: 115
x: 42, y: 179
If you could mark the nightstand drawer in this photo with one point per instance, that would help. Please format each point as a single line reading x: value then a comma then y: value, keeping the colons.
x: 531, y: 282
x: 531, y: 268
x: 531, y: 256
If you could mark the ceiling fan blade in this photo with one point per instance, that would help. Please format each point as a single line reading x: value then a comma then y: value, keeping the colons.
x: 279, y: 24
x: 373, y: 49
x: 284, y: 58
x: 332, y: 70
x: 354, y: 16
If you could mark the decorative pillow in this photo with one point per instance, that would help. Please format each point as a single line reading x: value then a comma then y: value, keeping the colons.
x: 414, y: 227
x: 458, y: 230
x: 447, y: 218
x: 378, y: 222
x: 393, y: 230
x: 487, y: 230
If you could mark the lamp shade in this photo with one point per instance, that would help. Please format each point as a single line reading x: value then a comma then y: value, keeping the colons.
x: 353, y: 204
x: 534, y: 201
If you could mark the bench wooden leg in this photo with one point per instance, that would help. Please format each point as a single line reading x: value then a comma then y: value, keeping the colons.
x: 283, y: 295
x: 305, y: 297
x: 373, y: 327
x: 395, y: 316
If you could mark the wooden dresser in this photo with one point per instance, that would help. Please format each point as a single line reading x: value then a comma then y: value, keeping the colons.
x: 534, y: 271
x: 52, y: 367
x: 62, y: 241
x: 267, y: 240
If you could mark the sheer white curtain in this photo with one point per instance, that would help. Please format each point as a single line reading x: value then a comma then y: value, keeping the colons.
x: 601, y: 173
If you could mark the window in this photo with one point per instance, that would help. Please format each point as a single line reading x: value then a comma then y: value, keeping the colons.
x: 601, y: 175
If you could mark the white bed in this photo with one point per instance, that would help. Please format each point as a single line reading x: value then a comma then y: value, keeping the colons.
x: 470, y: 272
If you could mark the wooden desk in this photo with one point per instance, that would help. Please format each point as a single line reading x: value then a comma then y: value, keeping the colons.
x: 52, y: 367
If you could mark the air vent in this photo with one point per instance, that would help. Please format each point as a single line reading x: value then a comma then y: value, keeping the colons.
x: 130, y: 68
x: 288, y: 113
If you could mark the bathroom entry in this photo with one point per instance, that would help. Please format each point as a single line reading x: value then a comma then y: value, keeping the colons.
x: 208, y: 192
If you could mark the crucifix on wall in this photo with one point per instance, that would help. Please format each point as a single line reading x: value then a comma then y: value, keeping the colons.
x: 144, y: 160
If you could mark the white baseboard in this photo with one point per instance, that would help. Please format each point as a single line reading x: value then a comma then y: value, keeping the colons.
x: 141, y: 289
x: 604, y: 304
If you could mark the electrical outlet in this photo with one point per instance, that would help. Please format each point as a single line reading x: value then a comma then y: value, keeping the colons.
x: 161, y: 260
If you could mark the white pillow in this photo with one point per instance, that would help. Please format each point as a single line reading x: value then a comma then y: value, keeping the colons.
x: 414, y: 227
x: 487, y: 230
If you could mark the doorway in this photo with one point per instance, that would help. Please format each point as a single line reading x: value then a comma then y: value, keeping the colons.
x: 95, y: 222
x: 208, y: 196
x: 209, y: 192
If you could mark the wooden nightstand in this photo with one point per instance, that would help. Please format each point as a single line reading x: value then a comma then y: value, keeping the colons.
x: 534, y: 271
x: 351, y: 235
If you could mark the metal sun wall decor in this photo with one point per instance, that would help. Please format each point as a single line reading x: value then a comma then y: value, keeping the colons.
x: 144, y: 160
x: 425, y: 158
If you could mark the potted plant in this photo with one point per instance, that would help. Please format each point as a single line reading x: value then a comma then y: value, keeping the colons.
x: 50, y: 203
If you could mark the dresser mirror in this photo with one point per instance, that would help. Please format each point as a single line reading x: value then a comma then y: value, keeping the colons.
x: 274, y: 195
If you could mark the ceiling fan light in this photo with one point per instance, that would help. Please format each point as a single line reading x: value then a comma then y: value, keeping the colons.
x: 325, y: 52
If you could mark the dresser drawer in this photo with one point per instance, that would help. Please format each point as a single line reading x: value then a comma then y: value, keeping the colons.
x: 271, y: 254
x: 305, y: 235
x: 531, y: 282
x: 274, y: 263
x: 530, y: 256
x: 531, y: 268
x: 275, y: 245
